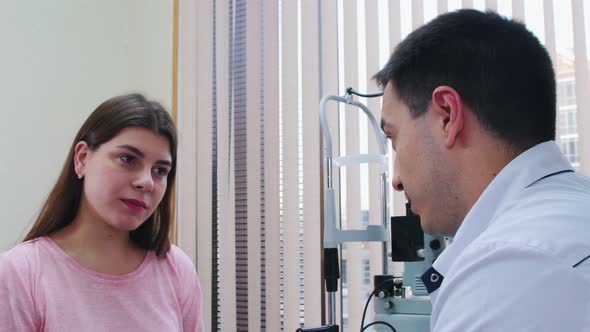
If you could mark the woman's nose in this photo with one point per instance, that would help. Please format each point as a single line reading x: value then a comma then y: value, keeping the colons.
x: 144, y: 181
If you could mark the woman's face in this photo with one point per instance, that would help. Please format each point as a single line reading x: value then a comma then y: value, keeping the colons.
x: 125, y: 178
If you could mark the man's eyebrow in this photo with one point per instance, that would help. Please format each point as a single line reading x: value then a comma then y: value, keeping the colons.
x: 139, y: 153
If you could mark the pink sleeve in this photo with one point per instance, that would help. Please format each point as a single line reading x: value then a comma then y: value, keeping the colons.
x: 191, y: 299
x: 192, y: 308
x: 17, y: 308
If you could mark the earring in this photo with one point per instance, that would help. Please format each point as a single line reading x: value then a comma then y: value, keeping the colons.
x: 80, y: 176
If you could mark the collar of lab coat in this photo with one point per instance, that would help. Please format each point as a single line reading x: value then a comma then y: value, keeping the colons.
x: 532, y: 165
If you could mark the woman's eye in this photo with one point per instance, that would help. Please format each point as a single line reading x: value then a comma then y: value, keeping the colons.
x: 160, y: 171
x: 127, y: 159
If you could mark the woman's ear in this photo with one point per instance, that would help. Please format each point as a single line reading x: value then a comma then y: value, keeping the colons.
x: 80, y: 158
x: 448, y: 106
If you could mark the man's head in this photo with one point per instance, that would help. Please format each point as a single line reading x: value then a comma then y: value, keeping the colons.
x: 472, y: 84
x: 499, y: 68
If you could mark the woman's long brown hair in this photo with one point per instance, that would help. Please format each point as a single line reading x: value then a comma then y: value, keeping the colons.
x: 102, y: 125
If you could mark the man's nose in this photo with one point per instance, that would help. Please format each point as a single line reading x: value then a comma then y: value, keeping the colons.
x: 397, y: 180
x: 397, y: 183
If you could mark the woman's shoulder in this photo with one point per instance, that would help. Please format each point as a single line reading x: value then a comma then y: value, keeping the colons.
x: 22, y: 258
x: 185, y: 271
x: 180, y: 258
x: 179, y: 263
x: 24, y: 250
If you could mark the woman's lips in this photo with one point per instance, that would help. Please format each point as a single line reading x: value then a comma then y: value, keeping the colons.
x: 134, y: 205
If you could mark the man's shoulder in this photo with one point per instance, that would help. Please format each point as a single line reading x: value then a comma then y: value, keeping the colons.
x: 492, y: 277
x: 566, y: 185
x: 551, y: 207
x: 550, y: 216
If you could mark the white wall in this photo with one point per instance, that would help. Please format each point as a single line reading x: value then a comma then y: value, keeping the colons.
x: 60, y: 59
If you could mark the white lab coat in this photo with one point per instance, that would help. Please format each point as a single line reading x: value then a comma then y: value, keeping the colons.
x: 520, y: 260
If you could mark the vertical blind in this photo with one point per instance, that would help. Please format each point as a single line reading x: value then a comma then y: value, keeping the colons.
x: 251, y: 172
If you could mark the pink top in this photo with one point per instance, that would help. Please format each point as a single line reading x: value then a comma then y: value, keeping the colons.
x: 44, y: 289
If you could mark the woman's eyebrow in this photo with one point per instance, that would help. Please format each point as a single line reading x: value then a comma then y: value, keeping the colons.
x: 164, y: 162
x: 140, y: 154
x: 132, y: 149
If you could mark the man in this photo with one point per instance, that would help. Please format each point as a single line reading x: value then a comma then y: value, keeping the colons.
x: 469, y: 105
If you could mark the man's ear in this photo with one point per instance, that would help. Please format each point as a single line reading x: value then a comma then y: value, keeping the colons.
x: 81, y: 151
x: 448, y: 106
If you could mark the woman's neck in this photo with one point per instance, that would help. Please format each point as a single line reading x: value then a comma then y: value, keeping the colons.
x: 98, y: 246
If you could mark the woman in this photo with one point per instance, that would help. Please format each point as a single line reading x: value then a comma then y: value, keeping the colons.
x: 98, y: 257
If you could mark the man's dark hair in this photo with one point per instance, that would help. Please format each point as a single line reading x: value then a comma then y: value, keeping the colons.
x: 499, y: 68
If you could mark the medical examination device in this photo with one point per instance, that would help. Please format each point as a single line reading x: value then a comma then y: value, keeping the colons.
x: 401, y: 302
